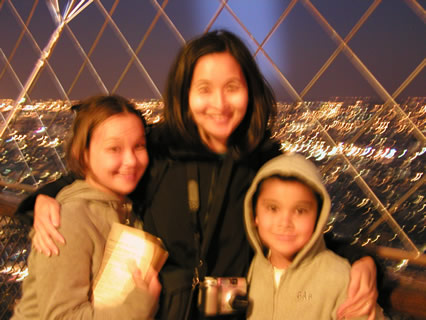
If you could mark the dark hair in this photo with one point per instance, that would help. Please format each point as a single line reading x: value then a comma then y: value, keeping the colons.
x: 286, y: 178
x: 89, y: 113
x: 261, y: 101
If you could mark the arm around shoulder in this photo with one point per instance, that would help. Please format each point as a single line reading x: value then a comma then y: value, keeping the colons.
x: 26, y: 208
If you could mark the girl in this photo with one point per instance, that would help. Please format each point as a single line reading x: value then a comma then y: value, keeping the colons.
x: 107, y: 151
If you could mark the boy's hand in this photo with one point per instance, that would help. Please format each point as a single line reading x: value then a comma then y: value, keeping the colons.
x: 46, y: 220
x: 362, y: 291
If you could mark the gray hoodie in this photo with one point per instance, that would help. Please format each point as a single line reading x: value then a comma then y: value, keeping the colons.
x: 60, y: 287
x: 315, y: 283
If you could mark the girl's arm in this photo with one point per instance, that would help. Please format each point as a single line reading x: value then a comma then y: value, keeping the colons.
x: 64, y: 282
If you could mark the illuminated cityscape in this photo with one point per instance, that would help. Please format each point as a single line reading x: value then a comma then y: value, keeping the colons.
x: 346, y: 138
x: 324, y: 59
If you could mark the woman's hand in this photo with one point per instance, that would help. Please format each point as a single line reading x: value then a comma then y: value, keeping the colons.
x: 362, y: 291
x: 46, y: 222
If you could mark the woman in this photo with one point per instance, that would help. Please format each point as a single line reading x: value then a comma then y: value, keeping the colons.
x: 204, y: 155
x: 216, y: 125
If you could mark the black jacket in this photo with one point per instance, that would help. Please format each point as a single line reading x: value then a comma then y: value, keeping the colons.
x: 167, y: 213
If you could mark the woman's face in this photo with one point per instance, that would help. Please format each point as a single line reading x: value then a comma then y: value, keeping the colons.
x: 218, y: 98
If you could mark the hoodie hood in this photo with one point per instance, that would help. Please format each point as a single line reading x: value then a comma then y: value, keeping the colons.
x: 290, y: 165
x: 80, y: 190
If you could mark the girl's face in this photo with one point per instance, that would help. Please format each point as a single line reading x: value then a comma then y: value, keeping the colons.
x: 117, y: 155
x: 218, y: 98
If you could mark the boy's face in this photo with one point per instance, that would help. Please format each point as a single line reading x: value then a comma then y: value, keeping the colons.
x: 286, y: 213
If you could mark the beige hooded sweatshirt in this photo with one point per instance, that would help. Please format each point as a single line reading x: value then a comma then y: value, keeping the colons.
x: 315, y: 284
x: 60, y: 287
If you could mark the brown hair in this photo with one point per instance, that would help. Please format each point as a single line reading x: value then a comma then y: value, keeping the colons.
x: 261, y: 105
x: 89, y: 113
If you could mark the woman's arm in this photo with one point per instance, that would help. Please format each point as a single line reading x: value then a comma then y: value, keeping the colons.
x: 42, y: 210
x: 46, y: 222
x: 363, y: 289
x: 26, y: 207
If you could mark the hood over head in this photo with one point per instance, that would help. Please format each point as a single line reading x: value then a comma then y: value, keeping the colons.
x: 289, y: 165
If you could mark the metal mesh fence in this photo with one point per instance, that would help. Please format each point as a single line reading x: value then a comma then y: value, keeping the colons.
x: 365, y: 131
x: 14, y: 249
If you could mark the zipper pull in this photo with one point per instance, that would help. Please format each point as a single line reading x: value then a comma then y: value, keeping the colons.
x: 196, y: 278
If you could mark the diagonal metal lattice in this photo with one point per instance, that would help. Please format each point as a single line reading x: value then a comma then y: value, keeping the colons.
x: 371, y: 153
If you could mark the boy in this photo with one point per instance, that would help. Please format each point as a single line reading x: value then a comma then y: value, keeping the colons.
x: 293, y: 275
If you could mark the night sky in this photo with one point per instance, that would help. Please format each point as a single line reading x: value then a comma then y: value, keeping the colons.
x: 391, y: 44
